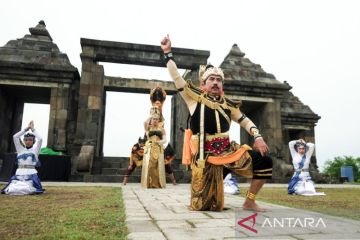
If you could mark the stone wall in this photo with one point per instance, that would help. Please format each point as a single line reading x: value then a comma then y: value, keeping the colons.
x: 10, y: 119
x: 5, y: 121
x: 34, y: 70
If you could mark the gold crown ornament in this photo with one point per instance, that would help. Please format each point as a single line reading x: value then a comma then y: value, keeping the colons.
x: 206, y: 70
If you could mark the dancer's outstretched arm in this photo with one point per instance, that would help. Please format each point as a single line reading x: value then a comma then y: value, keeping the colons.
x: 180, y: 83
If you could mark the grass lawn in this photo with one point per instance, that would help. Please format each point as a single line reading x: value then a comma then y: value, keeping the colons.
x: 64, y: 213
x: 98, y: 212
x: 342, y: 202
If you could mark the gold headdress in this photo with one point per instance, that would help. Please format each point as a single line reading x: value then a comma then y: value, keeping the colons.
x: 157, y: 94
x: 206, y: 70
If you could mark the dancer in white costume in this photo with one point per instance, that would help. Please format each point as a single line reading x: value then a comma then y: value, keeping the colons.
x: 301, y: 183
x: 26, y: 181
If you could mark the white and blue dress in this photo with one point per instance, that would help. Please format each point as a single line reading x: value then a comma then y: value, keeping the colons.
x: 25, y: 181
x: 301, y: 183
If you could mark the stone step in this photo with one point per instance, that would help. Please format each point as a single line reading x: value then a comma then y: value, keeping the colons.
x: 76, y: 178
x: 180, y: 176
x: 122, y: 171
x: 110, y: 178
x: 118, y: 171
x: 124, y: 163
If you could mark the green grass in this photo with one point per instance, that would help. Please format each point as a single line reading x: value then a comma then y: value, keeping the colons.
x: 98, y: 212
x: 342, y: 202
x: 64, y: 213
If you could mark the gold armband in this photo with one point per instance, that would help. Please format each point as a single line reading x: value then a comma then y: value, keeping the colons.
x: 255, y: 132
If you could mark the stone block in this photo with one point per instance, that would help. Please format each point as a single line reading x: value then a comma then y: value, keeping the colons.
x: 83, y: 102
x: 85, y: 77
x: 61, y: 123
x: 80, y: 130
x: 96, y: 90
x: 84, y: 89
x: 99, y: 69
x: 94, y: 102
x: 82, y: 115
x: 61, y: 139
x: 84, y: 159
x: 53, y: 96
x: 97, y: 78
x: 88, y: 178
x: 62, y: 101
x: 146, y: 236
x: 95, y: 115
x: 88, y: 64
x: 62, y: 114
x: 91, y: 130
x: 141, y: 226
x: 174, y: 224
x: 89, y: 51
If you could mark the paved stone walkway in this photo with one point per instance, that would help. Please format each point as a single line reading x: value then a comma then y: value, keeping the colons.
x: 163, y: 214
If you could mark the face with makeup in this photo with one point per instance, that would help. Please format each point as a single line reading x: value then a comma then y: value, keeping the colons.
x: 213, y: 85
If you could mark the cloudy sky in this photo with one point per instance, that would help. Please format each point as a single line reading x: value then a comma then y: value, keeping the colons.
x: 313, y: 45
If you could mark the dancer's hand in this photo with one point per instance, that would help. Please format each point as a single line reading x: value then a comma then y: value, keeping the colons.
x: 165, y: 44
x: 260, y: 146
x: 30, y: 125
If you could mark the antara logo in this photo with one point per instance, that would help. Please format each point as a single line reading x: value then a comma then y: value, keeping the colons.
x: 251, y: 217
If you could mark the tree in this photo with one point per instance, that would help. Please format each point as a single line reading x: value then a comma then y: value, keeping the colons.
x: 332, y: 167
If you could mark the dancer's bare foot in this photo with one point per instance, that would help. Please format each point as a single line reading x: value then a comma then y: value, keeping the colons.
x: 125, y: 180
x: 251, y: 205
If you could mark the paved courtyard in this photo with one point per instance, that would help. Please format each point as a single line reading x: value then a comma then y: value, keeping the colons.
x: 163, y: 214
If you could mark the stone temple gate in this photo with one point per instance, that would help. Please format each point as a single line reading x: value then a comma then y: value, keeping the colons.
x: 33, y: 70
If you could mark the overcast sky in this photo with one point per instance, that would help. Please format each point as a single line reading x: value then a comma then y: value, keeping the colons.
x: 313, y: 45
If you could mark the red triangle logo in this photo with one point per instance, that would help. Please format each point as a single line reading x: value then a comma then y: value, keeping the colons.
x: 251, y: 217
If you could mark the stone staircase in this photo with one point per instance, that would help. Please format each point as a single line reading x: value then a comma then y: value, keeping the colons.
x: 113, y: 169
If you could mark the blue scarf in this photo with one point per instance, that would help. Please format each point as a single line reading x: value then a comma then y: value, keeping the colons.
x: 295, y: 179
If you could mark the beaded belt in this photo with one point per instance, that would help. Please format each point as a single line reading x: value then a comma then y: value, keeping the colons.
x: 302, y: 170
x: 27, y: 166
x: 217, y: 144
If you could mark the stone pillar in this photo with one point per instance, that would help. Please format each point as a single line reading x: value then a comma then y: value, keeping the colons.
x: 271, y: 129
x: 8, y: 110
x: 16, y: 121
x: 270, y: 126
x: 178, y: 124
x: 59, y: 105
x: 179, y: 116
x: 90, y: 110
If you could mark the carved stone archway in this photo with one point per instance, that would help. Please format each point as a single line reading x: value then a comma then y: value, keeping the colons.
x: 32, y: 69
